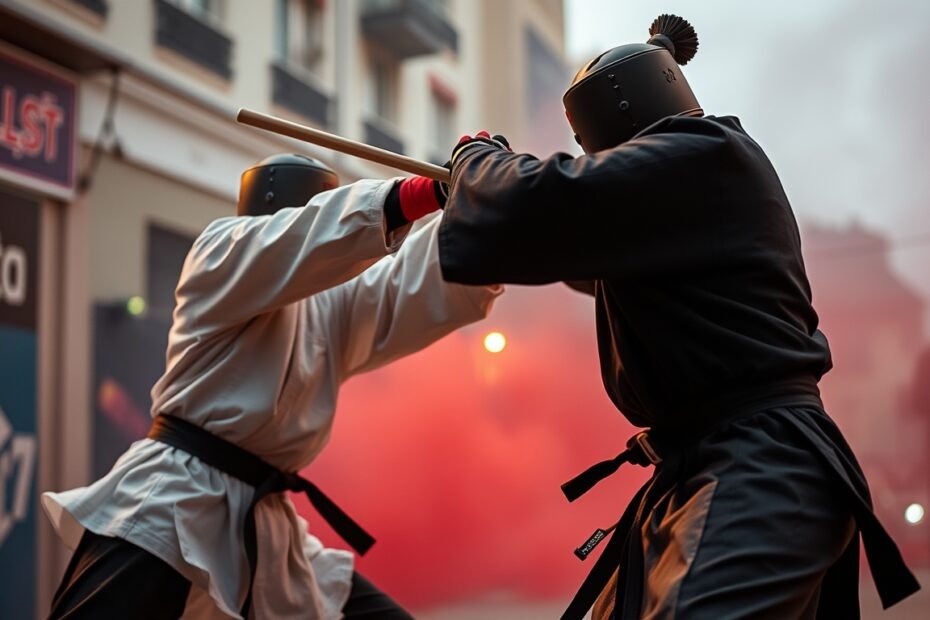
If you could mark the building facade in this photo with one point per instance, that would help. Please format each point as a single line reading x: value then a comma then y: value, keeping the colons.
x: 119, y: 144
x: 874, y: 322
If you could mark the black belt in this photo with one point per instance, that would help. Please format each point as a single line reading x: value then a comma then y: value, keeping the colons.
x: 892, y: 578
x: 640, y: 451
x: 267, y: 479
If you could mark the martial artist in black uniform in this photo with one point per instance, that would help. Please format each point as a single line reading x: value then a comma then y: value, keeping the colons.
x: 707, y: 337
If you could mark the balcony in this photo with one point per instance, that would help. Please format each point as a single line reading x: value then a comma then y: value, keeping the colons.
x: 299, y: 95
x: 98, y: 7
x: 408, y: 28
x: 375, y: 135
x: 196, y: 40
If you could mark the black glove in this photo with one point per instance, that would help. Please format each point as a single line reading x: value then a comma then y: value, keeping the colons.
x: 482, y: 137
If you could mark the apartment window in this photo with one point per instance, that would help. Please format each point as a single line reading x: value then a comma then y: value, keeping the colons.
x: 298, y: 59
x: 381, y: 104
x: 191, y: 28
x: 442, y: 131
x: 98, y: 7
x: 443, y: 122
x: 382, y: 100
x: 300, y: 42
x: 210, y: 11
x: 167, y: 250
x: 382, y: 89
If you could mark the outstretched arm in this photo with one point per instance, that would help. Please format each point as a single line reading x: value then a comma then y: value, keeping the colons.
x: 241, y: 267
x: 397, y: 307
x: 514, y: 218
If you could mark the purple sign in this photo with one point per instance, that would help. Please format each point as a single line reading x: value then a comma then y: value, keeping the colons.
x: 37, y: 125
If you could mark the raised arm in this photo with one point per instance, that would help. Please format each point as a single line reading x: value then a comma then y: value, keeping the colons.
x: 241, y: 267
x: 397, y: 307
x: 513, y: 218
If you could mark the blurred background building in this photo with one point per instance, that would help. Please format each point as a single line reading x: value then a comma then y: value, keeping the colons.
x: 118, y: 145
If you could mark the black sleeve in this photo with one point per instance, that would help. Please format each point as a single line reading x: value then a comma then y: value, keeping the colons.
x: 512, y: 218
x: 393, y: 214
x: 586, y: 287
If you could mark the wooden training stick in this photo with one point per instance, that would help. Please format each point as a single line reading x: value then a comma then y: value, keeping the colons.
x: 343, y: 145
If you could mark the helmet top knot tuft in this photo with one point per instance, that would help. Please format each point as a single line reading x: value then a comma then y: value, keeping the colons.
x: 676, y: 35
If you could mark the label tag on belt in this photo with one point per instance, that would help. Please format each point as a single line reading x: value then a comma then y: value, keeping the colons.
x: 585, y: 550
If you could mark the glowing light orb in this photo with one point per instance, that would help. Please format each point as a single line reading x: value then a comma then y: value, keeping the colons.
x: 495, y: 342
x: 914, y: 514
x: 135, y: 305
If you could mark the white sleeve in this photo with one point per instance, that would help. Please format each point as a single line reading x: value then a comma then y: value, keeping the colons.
x: 241, y: 267
x: 397, y: 307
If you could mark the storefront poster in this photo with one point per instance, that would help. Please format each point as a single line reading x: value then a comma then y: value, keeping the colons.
x: 37, y: 125
x: 19, y: 224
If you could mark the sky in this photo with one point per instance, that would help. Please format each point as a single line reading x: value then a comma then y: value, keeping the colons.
x: 833, y: 90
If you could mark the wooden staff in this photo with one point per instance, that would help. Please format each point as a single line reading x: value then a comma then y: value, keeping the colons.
x: 343, y: 145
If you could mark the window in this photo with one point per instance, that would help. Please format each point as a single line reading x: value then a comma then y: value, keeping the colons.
x: 442, y: 131
x: 444, y: 123
x: 300, y: 34
x: 99, y: 7
x: 166, y: 253
x: 382, y: 90
x: 191, y: 28
x: 210, y: 11
x: 382, y: 100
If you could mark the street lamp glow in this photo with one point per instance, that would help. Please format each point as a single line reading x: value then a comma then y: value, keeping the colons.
x: 495, y: 342
x: 135, y: 305
x: 914, y: 514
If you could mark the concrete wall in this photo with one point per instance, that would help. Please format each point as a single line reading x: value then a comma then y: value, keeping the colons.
x: 124, y: 201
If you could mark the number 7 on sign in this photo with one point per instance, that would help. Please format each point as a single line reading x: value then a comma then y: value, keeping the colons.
x: 19, y: 458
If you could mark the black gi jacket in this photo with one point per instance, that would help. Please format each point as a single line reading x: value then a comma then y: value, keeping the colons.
x: 701, y: 293
x: 701, y: 286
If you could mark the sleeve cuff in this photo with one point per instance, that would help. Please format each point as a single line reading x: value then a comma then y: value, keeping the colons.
x: 393, y: 239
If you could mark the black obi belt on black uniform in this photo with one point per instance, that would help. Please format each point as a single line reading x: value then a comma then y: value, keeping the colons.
x: 796, y: 410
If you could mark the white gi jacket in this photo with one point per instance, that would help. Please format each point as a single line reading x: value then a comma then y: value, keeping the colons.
x: 273, y: 314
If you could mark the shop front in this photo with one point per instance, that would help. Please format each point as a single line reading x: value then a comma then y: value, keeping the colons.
x: 37, y: 178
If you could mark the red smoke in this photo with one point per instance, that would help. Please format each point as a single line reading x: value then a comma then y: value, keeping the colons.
x: 118, y: 406
x: 453, y: 457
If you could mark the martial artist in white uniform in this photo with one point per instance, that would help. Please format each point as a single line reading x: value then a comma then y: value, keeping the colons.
x: 274, y: 313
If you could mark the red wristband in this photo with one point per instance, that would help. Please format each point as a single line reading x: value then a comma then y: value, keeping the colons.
x: 417, y: 198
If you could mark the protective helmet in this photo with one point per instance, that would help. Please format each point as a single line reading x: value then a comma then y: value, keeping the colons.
x: 283, y: 181
x: 629, y: 87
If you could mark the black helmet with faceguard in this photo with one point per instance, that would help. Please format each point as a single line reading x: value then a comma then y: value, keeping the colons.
x: 279, y: 181
x: 629, y: 87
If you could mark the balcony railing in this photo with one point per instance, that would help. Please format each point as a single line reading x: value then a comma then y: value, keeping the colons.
x: 94, y: 6
x: 376, y: 135
x: 181, y: 32
x: 408, y: 28
x: 299, y: 95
